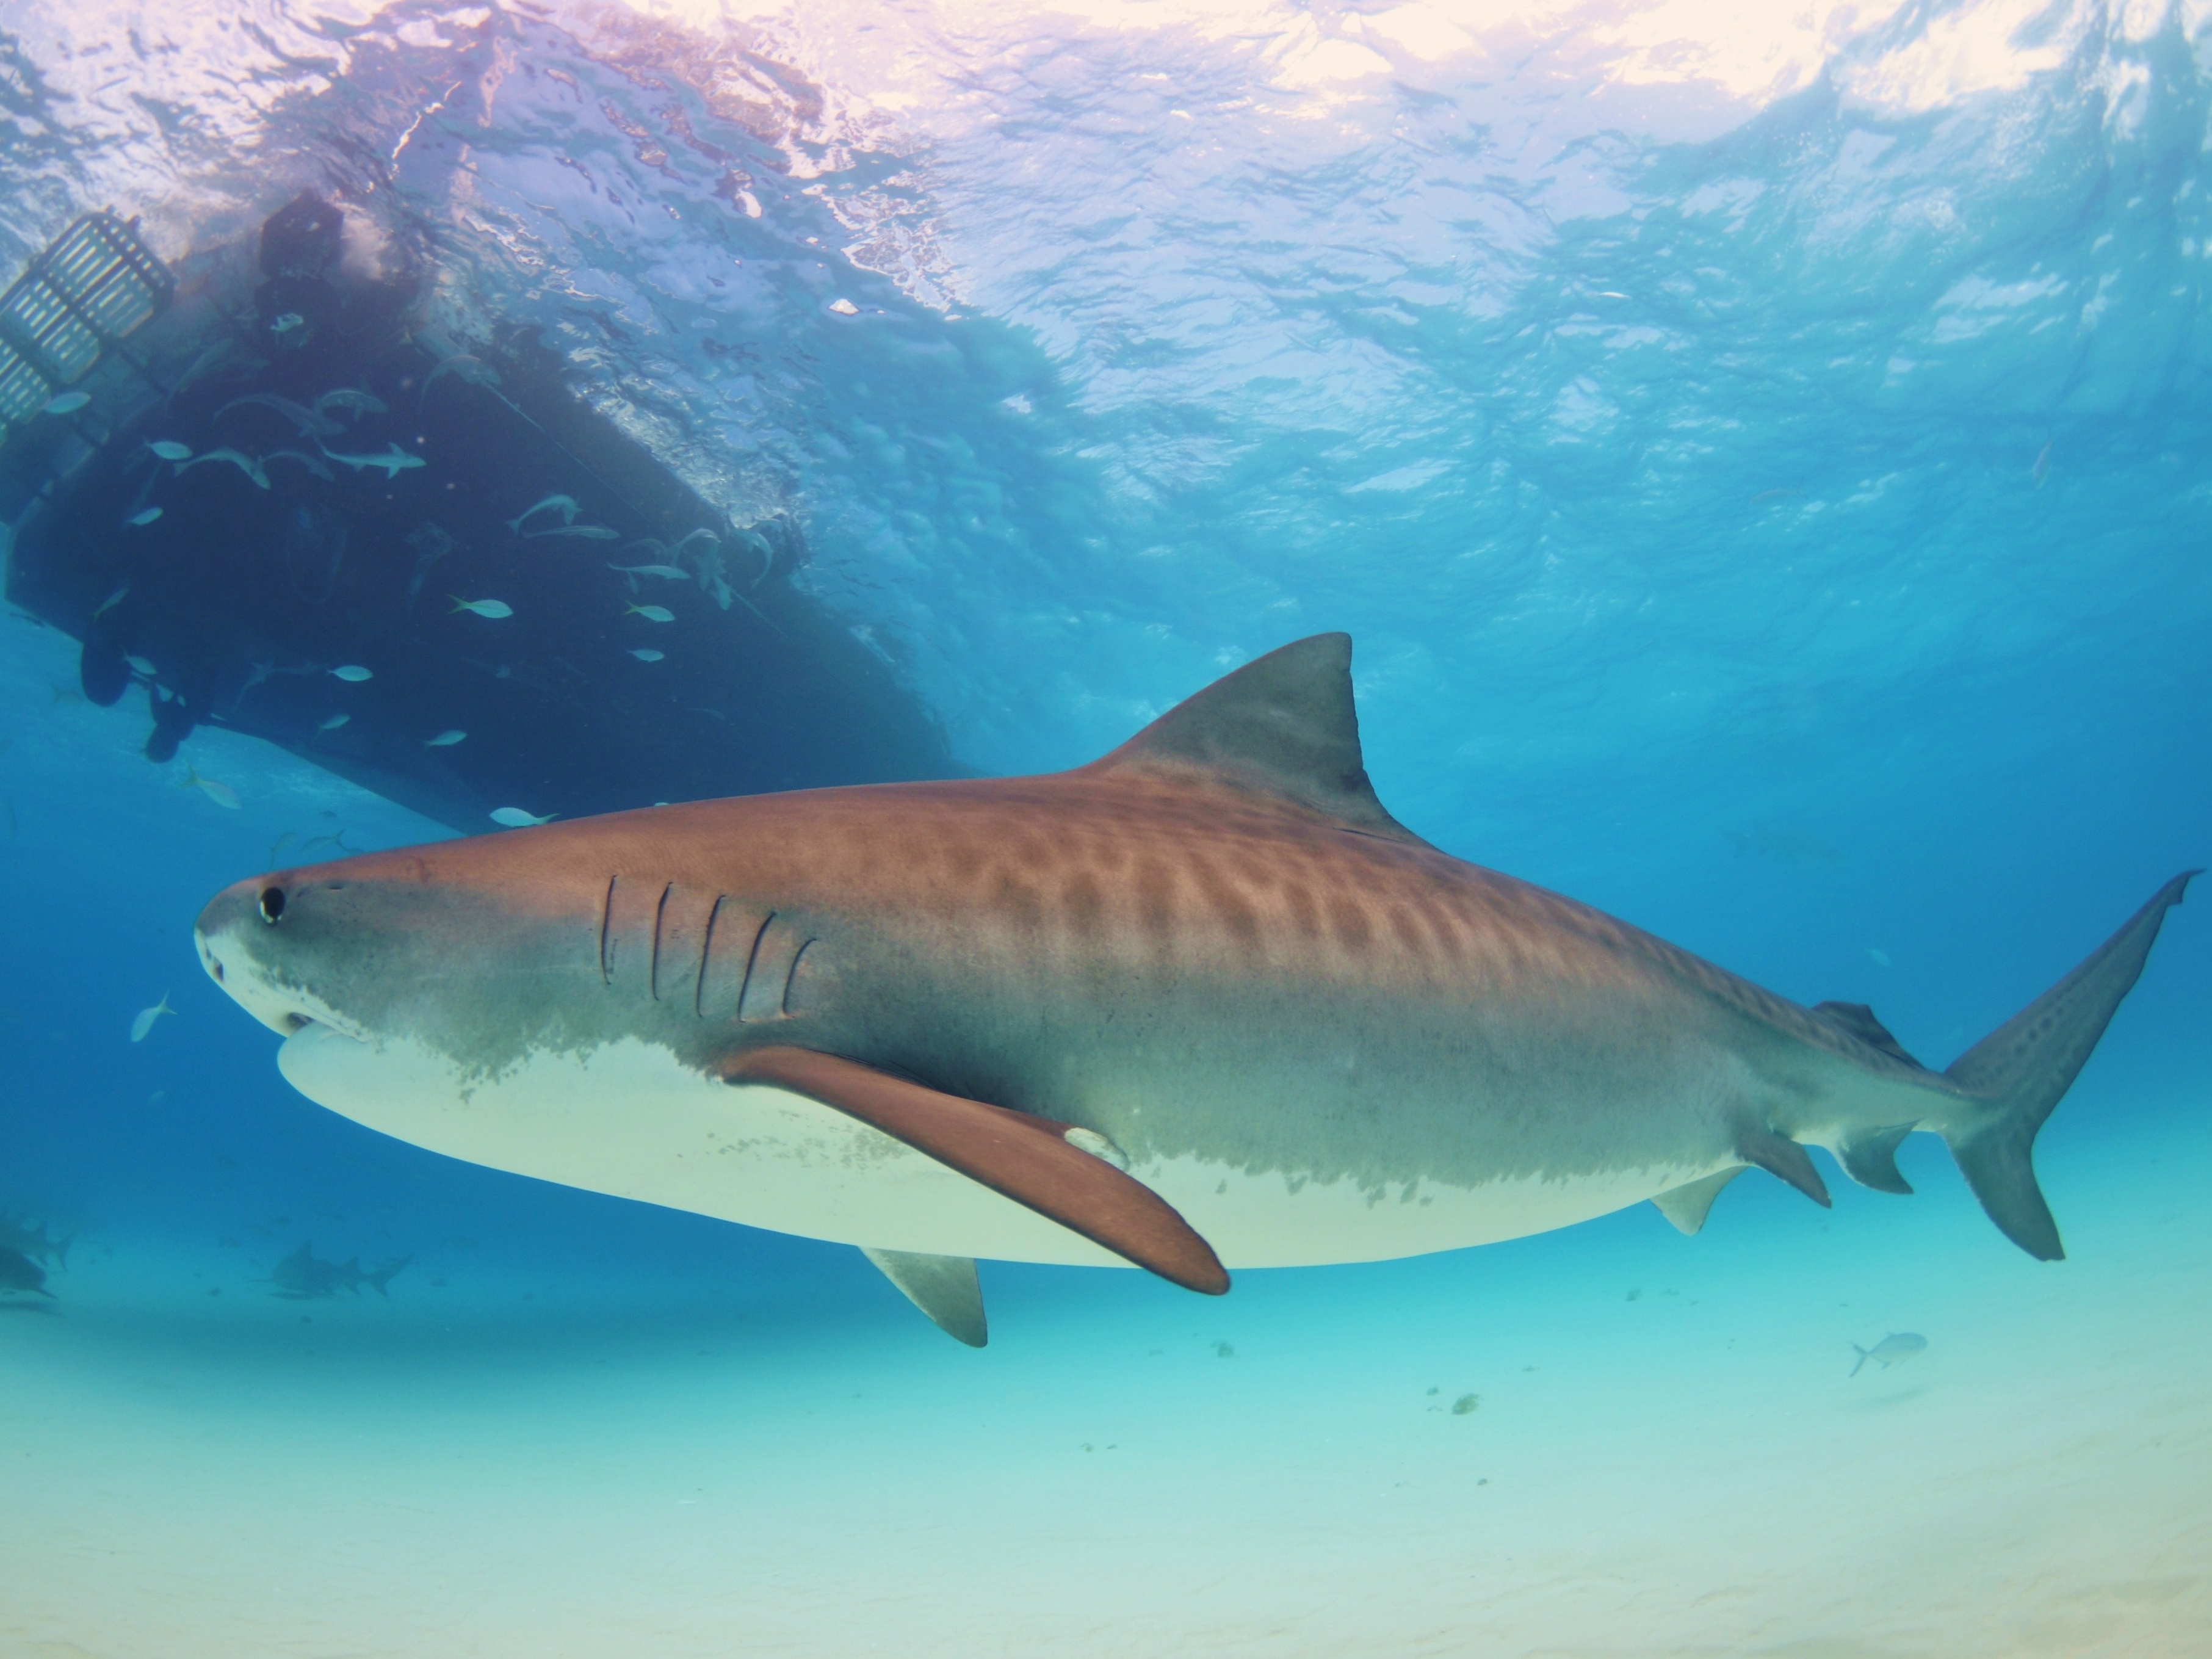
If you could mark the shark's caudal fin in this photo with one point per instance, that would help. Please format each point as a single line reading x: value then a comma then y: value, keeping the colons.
x: 2024, y: 1068
x: 382, y: 1276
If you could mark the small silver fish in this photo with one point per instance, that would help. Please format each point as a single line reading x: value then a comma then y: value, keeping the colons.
x: 647, y: 654
x: 170, y: 450
x: 143, y: 666
x: 220, y: 793
x: 245, y: 464
x: 67, y: 403
x: 285, y: 322
x: 587, y: 532
x: 394, y: 460
x: 144, y: 1022
x: 707, y: 536
x: 300, y: 415
x: 565, y: 504
x: 141, y: 520
x: 665, y: 572
x: 345, y: 397
x: 445, y: 739
x: 112, y: 601
x: 353, y: 673
x: 493, y: 609
x: 652, y: 613
x: 513, y: 817
x: 1893, y: 1349
x: 2042, y: 468
x: 333, y: 723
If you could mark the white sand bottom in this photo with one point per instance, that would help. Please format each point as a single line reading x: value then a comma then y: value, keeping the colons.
x: 603, y: 1469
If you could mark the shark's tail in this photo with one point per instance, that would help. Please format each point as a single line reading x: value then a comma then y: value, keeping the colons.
x: 2019, y: 1072
x: 382, y: 1276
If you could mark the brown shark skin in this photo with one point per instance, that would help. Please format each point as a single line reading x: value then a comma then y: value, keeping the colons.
x: 1183, y: 964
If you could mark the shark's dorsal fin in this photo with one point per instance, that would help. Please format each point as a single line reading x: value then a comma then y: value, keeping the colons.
x: 1283, y: 725
x: 1858, y: 1019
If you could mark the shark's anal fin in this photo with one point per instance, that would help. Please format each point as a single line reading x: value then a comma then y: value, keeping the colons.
x: 1687, y: 1205
x: 1779, y: 1156
x: 1858, y: 1019
x: 1870, y: 1158
x: 1028, y: 1160
x: 942, y: 1287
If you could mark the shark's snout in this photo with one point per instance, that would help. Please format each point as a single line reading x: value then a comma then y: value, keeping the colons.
x: 229, y: 937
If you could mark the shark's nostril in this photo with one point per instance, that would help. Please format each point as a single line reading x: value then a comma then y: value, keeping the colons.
x: 214, y: 967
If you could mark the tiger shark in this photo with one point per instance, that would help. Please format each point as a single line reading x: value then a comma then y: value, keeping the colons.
x: 1200, y: 1004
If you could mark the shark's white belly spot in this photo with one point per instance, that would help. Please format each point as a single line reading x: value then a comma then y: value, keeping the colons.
x: 629, y: 1120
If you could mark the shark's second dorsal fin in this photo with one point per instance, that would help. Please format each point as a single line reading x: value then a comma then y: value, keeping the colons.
x: 1284, y: 725
x: 1858, y: 1019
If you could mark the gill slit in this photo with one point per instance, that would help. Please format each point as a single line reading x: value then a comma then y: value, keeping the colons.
x: 753, y: 958
x: 606, y: 915
x: 706, y: 956
x: 791, y: 979
x: 659, y: 913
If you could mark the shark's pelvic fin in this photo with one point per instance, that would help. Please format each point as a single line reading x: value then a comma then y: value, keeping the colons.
x: 1869, y: 1158
x: 1686, y: 1206
x: 1781, y: 1157
x: 942, y: 1287
x: 1026, y: 1158
x: 2022, y: 1069
x: 1284, y: 725
x: 1858, y: 1019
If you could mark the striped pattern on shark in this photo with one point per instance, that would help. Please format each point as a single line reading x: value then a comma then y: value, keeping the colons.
x: 1201, y: 1004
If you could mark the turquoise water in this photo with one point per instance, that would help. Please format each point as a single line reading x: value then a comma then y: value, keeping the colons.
x: 1759, y: 463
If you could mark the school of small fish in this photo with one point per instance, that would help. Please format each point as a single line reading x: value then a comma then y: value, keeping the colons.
x: 554, y: 516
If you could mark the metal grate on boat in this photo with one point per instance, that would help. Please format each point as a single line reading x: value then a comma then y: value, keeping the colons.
x: 95, y: 283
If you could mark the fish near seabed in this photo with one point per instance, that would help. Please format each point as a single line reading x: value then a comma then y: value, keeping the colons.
x: 302, y: 1275
x: 1893, y: 1349
x: 1201, y: 1004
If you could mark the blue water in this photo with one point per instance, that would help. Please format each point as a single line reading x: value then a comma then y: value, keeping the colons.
x: 1761, y: 463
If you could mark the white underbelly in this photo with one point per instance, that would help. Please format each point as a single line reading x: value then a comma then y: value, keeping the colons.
x: 629, y: 1120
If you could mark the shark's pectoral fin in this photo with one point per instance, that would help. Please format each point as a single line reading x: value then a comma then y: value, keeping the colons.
x: 1026, y: 1158
x: 1779, y: 1156
x: 1870, y: 1158
x: 942, y: 1287
x: 1686, y: 1206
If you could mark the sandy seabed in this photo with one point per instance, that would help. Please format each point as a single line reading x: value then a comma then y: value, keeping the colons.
x: 1664, y: 1454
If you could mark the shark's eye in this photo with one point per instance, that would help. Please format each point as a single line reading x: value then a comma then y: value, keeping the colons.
x: 272, y: 904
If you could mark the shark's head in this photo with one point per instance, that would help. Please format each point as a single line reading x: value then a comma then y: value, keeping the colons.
x: 472, y: 948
